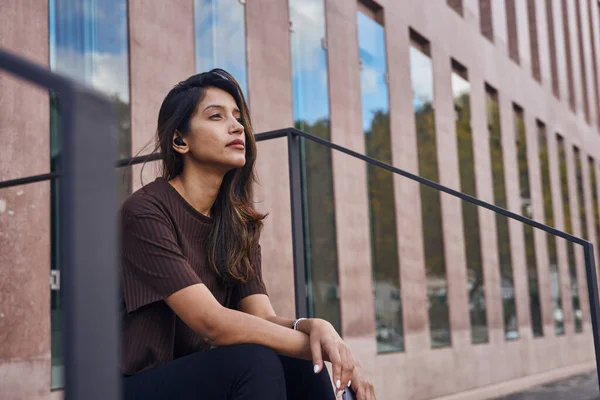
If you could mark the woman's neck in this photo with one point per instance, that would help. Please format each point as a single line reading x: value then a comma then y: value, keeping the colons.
x: 199, y: 188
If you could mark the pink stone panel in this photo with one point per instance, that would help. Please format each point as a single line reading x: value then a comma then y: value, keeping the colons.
x: 27, y: 379
x: 350, y: 181
x: 413, y: 279
x: 156, y: 65
x: 24, y: 210
x: 270, y: 91
x: 449, y: 175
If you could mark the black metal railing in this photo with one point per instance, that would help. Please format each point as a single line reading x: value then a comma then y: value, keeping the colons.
x: 89, y: 287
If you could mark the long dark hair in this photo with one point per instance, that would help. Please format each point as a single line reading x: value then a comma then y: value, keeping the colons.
x: 236, y: 223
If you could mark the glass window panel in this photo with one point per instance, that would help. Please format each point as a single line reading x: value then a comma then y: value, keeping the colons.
x: 461, y: 92
x: 595, y: 204
x: 564, y: 183
x: 580, y: 194
x: 421, y: 69
x: 382, y: 208
x: 311, y: 114
x: 555, y: 290
x: 220, y: 31
x: 511, y: 328
x: 88, y: 42
x: 527, y: 211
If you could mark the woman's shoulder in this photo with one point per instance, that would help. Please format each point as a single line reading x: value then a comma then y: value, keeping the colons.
x: 148, y: 200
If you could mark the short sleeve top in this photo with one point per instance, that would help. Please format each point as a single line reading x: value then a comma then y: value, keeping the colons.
x: 163, y: 250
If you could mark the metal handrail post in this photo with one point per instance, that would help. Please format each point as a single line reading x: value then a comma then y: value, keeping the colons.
x: 293, y: 142
x: 592, y: 284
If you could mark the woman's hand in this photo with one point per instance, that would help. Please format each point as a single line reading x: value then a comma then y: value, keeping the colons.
x: 327, y: 345
x: 362, y: 386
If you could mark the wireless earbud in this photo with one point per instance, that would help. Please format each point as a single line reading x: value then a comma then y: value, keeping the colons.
x: 178, y: 141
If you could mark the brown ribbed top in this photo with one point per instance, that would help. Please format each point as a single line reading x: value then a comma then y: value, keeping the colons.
x: 163, y: 250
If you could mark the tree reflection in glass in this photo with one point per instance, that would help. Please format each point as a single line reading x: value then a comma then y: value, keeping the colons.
x: 580, y: 194
x: 421, y: 69
x: 582, y: 219
x: 555, y: 288
x: 461, y: 92
x: 507, y: 284
x: 527, y: 211
x: 566, y: 203
x: 595, y: 204
x: 382, y: 207
x: 311, y: 114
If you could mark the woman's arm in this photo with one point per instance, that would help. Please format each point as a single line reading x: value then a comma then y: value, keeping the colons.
x: 324, y: 340
x: 319, y: 331
x: 260, y: 305
x: 221, y: 326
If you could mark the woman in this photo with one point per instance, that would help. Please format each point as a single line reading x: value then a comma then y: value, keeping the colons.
x: 197, y: 321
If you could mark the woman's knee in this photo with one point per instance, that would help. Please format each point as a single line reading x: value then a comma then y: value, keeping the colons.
x: 258, y: 371
x: 302, y: 382
x: 255, y: 360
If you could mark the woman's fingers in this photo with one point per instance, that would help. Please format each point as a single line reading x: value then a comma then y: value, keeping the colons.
x: 366, y: 391
x: 317, y: 355
x: 336, y: 366
x: 347, y: 365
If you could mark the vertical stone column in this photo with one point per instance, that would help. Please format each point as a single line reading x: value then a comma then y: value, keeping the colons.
x: 156, y: 65
x: 350, y: 183
x: 271, y: 107
x: 24, y: 210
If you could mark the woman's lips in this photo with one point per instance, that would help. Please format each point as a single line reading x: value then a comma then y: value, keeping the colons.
x: 237, y: 144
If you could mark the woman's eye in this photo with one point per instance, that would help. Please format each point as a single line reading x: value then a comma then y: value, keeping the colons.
x: 239, y: 120
x: 215, y: 116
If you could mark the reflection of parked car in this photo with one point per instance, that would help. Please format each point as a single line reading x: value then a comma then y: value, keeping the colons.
x: 511, y: 335
x: 384, y: 333
x: 558, y: 315
x: 388, y: 339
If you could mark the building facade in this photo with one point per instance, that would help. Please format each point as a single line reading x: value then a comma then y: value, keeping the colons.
x: 498, y: 99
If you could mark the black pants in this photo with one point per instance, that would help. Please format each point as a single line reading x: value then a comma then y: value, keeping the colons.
x: 239, y: 372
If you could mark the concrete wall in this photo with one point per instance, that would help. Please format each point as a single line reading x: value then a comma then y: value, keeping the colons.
x: 24, y: 210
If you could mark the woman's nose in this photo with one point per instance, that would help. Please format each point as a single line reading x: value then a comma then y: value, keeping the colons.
x: 237, y: 127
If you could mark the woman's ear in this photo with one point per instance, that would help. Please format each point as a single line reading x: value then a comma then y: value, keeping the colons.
x: 179, y: 145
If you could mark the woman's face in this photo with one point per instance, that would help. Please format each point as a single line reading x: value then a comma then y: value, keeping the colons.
x: 216, y: 136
